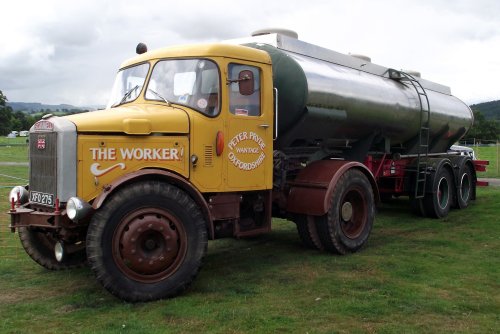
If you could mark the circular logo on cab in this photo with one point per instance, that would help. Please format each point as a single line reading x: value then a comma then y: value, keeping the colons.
x: 246, y: 150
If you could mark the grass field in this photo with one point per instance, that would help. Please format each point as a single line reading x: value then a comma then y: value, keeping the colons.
x: 13, y: 150
x: 490, y: 153
x: 414, y: 276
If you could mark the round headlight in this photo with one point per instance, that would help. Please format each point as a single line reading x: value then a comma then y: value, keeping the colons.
x: 59, y: 251
x: 72, y: 208
x: 18, y: 192
x: 77, y: 208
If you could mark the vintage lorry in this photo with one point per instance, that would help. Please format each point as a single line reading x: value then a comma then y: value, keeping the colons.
x: 208, y: 141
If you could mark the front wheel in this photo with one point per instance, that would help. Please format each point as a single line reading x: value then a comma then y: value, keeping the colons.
x: 348, y: 223
x: 39, y: 245
x: 147, y: 242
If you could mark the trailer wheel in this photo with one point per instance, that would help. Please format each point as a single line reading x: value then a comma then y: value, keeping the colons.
x: 308, y: 234
x: 417, y: 206
x: 437, y: 203
x: 348, y: 223
x: 147, y: 242
x: 465, y: 186
x: 40, y: 247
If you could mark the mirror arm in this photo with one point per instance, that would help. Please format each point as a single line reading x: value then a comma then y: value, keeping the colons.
x: 230, y: 81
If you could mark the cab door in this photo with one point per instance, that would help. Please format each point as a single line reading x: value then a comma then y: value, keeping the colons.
x: 249, y: 133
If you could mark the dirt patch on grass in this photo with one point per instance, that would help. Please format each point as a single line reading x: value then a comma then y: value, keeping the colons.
x: 22, y: 295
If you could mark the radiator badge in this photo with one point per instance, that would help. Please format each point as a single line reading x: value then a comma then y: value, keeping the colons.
x: 44, y: 125
x: 40, y: 144
x: 246, y: 150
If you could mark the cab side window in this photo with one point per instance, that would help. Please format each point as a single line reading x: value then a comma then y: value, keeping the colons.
x: 244, y: 105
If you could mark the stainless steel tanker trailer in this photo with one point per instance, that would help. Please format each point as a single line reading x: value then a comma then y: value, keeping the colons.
x: 209, y: 141
x: 337, y: 106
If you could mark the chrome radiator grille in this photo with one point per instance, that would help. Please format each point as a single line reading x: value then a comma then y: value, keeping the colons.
x: 43, y: 162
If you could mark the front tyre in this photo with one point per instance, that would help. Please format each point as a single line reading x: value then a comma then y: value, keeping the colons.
x: 147, y: 242
x: 348, y: 223
x: 39, y: 245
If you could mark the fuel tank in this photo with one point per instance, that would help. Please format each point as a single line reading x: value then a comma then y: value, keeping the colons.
x: 334, y: 100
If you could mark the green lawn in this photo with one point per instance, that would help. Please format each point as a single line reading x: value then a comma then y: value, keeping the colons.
x: 492, y: 154
x: 13, y: 150
x: 414, y: 276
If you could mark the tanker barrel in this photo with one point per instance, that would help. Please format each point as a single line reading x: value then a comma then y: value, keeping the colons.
x: 328, y: 98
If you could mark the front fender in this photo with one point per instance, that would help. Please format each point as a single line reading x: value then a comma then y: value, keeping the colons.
x: 157, y: 174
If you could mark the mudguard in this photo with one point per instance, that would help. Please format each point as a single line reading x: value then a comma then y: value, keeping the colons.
x: 312, y: 189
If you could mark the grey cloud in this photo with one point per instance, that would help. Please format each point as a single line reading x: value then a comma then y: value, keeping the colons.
x: 74, y: 56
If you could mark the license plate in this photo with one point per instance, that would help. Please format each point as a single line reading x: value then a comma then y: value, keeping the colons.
x: 41, y: 198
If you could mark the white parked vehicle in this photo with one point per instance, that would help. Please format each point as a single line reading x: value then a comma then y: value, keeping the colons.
x: 463, y: 150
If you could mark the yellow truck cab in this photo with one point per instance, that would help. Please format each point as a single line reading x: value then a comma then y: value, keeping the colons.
x: 174, y: 110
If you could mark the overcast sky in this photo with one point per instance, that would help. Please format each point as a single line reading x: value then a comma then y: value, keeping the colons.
x: 55, y: 51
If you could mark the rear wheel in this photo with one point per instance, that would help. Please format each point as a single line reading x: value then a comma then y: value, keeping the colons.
x: 40, y: 247
x: 147, y: 242
x: 465, y: 187
x: 306, y: 227
x: 438, y: 202
x: 417, y: 206
x: 348, y: 223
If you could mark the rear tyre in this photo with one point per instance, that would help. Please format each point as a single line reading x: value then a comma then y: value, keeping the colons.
x: 40, y: 247
x: 308, y: 234
x: 417, y: 206
x: 348, y: 223
x: 147, y: 242
x: 437, y: 203
x: 465, y: 186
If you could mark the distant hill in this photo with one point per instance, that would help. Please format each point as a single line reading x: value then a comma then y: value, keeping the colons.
x: 490, y: 110
x: 36, y: 107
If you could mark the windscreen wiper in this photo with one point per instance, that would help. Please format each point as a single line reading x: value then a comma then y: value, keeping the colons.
x: 161, y: 97
x: 128, y: 93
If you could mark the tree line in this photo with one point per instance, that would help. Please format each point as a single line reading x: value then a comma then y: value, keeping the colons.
x: 483, y: 128
x: 13, y: 120
x: 17, y: 120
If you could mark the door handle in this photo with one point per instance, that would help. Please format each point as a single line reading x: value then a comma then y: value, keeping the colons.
x: 264, y: 126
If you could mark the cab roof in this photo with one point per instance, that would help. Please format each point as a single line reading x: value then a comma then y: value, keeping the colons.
x: 202, y: 50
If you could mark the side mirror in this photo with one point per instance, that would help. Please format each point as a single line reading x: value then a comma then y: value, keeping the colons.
x: 246, y: 82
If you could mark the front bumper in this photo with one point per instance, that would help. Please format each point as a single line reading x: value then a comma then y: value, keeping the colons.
x: 23, y: 216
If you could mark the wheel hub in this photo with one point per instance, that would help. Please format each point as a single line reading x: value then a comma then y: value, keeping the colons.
x: 346, y: 211
x: 465, y: 187
x: 353, y: 213
x: 149, y: 244
x: 442, y: 193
